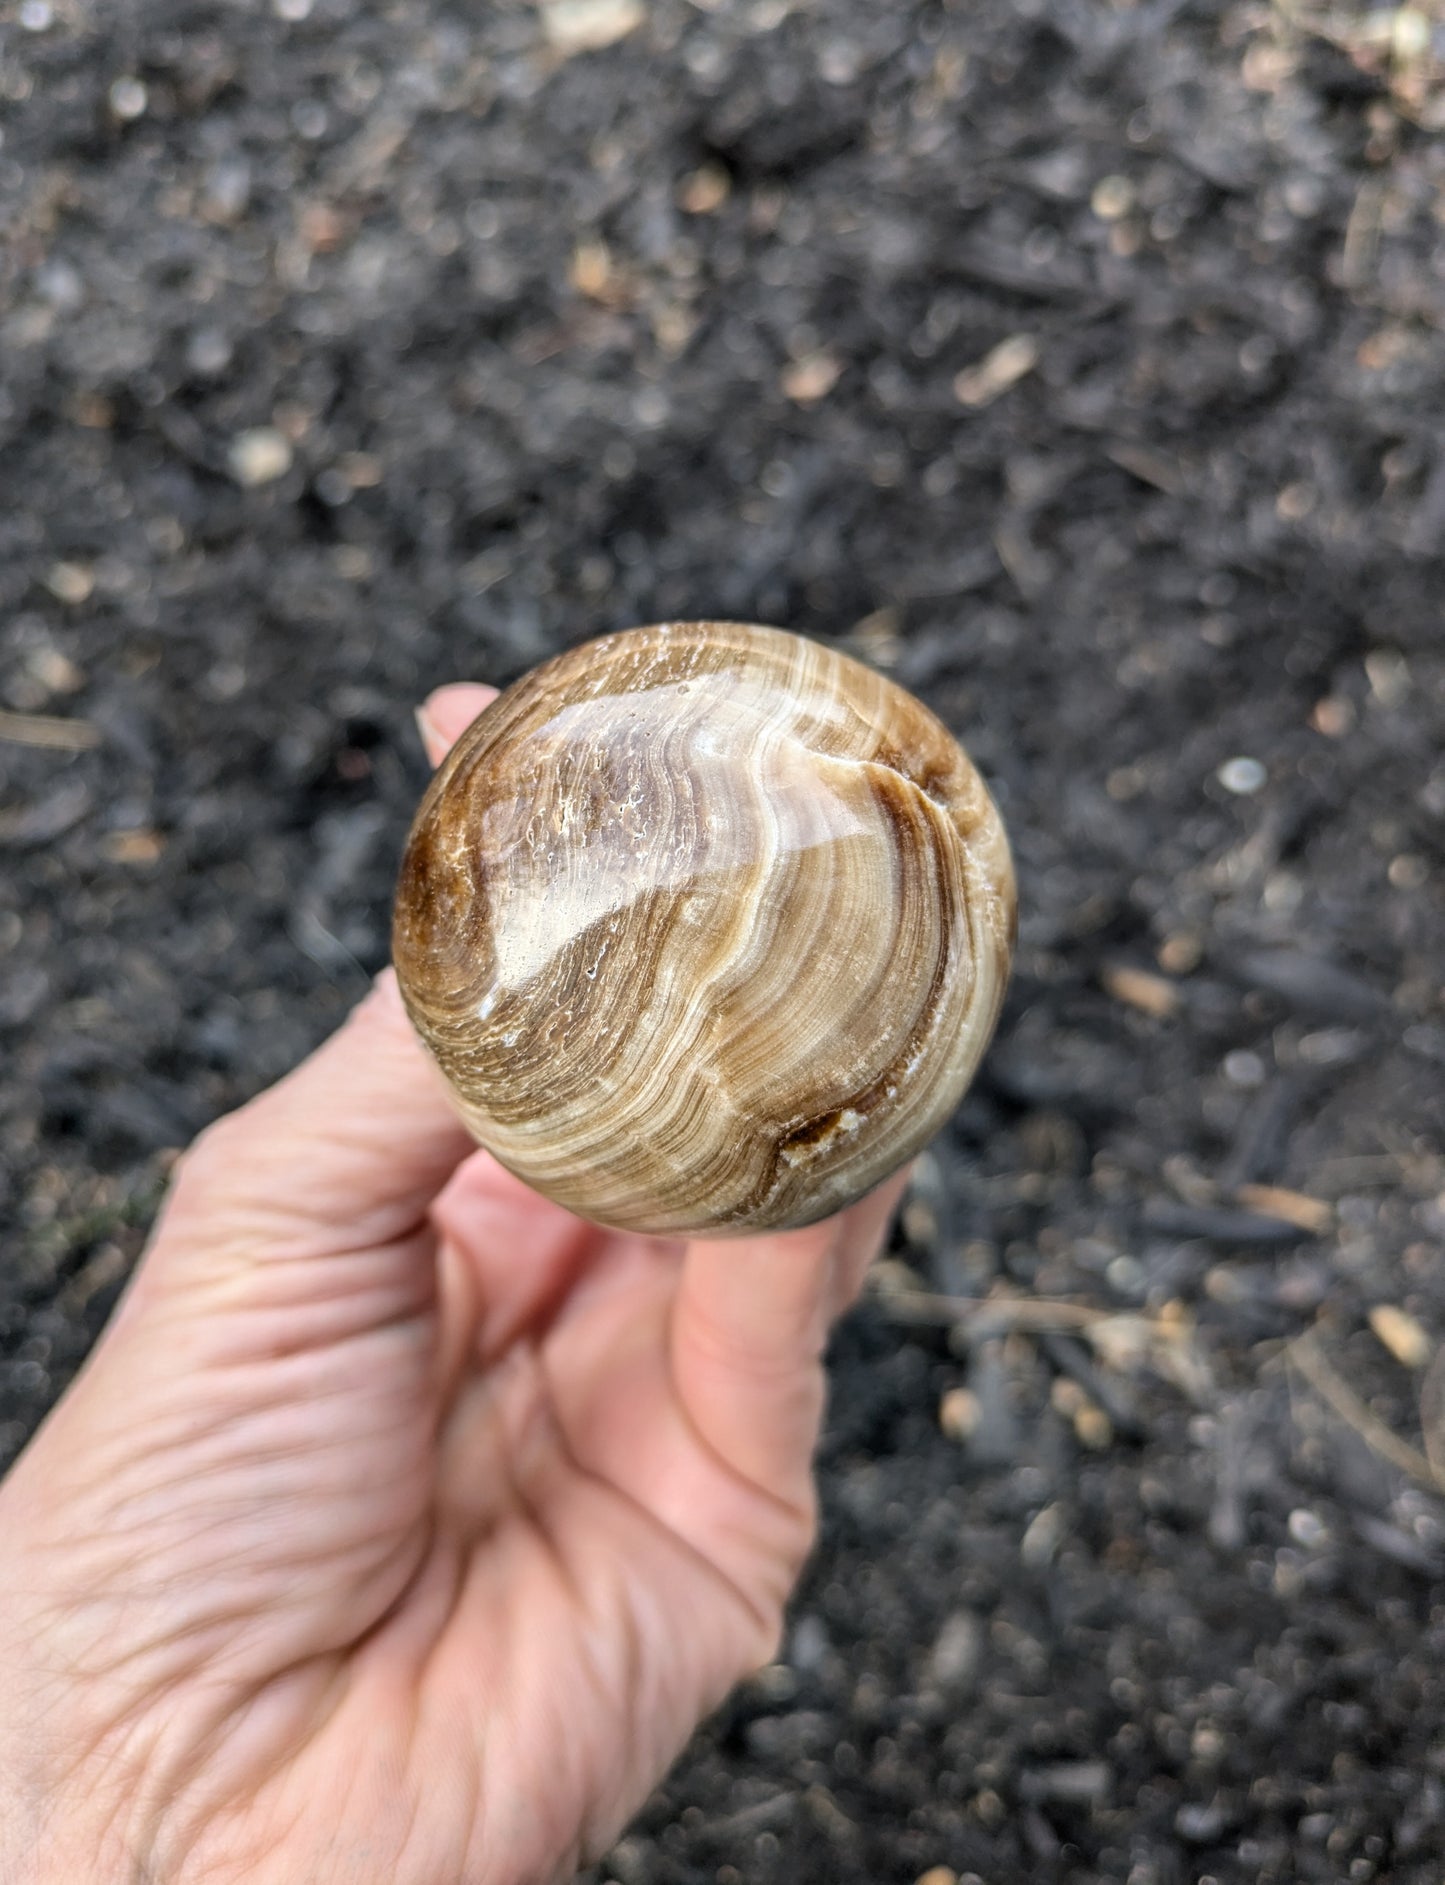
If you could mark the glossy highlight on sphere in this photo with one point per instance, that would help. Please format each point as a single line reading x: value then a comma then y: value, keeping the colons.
x: 707, y: 926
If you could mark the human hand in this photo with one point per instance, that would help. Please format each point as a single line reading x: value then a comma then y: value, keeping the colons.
x: 401, y: 1526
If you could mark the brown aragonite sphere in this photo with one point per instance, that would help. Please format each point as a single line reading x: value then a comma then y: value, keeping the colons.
x: 706, y: 926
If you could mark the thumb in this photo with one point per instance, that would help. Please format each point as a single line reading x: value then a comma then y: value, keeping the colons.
x: 347, y: 1152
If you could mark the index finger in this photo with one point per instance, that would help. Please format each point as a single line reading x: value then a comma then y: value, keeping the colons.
x: 749, y: 1326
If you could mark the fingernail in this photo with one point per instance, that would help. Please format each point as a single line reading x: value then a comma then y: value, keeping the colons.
x: 433, y: 740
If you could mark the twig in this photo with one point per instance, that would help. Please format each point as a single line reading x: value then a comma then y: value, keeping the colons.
x: 48, y: 729
x: 1310, y: 1359
x: 995, y: 1313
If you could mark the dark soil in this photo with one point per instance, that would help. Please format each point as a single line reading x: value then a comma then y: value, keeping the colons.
x: 559, y: 343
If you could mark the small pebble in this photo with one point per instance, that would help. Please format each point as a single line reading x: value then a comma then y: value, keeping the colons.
x: 1244, y: 1069
x: 1242, y: 776
x: 310, y: 119
x: 208, y: 352
x: 71, y: 582
x: 954, y: 1660
x: 1199, y: 1823
x: 1153, y: 995
x: 1389, y: 676
x: 128, y: 99
x: 1113, y: 197
x: 1307, y: 1528
x: 1294, y: 502
x: 650, y: 408
x: 36, y: 16
x: 809, y: 1645
x: 333, y: 487
x: 260, y: 456
x: 1411, y: 32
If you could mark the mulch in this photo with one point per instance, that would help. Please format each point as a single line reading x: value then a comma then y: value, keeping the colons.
x: 1082, y: 366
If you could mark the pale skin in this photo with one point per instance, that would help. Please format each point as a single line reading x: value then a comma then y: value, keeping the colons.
x: 401, y: 1526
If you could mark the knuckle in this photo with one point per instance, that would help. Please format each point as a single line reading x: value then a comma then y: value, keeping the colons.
x: 206, y: 1162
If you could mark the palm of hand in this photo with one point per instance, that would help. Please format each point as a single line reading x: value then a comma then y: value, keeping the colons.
x: 447, y: 1611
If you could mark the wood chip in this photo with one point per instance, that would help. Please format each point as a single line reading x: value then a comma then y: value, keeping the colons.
x: 705, y: 190
x: 1293, y: 1207
x: 937, y: 1875
x: 812, y: 378
x: 1333, y: 716
x: 47, y: 729
x: 984, y: 1316
x: 1093, y: 1428
x: 1149, y: 467
x: 591, y: 272
x: 1152, y: 994
x: 361, y: 470
x: 1398, y: 1330
x: 1181, y: 953
x: 142, y: 846
x: 959, y: 1414
x: 1008, y: 363
x: 1042, y: 1537
x: 574, y: 26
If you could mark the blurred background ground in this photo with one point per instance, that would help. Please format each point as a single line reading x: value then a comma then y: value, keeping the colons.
x: 1079, y: 363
